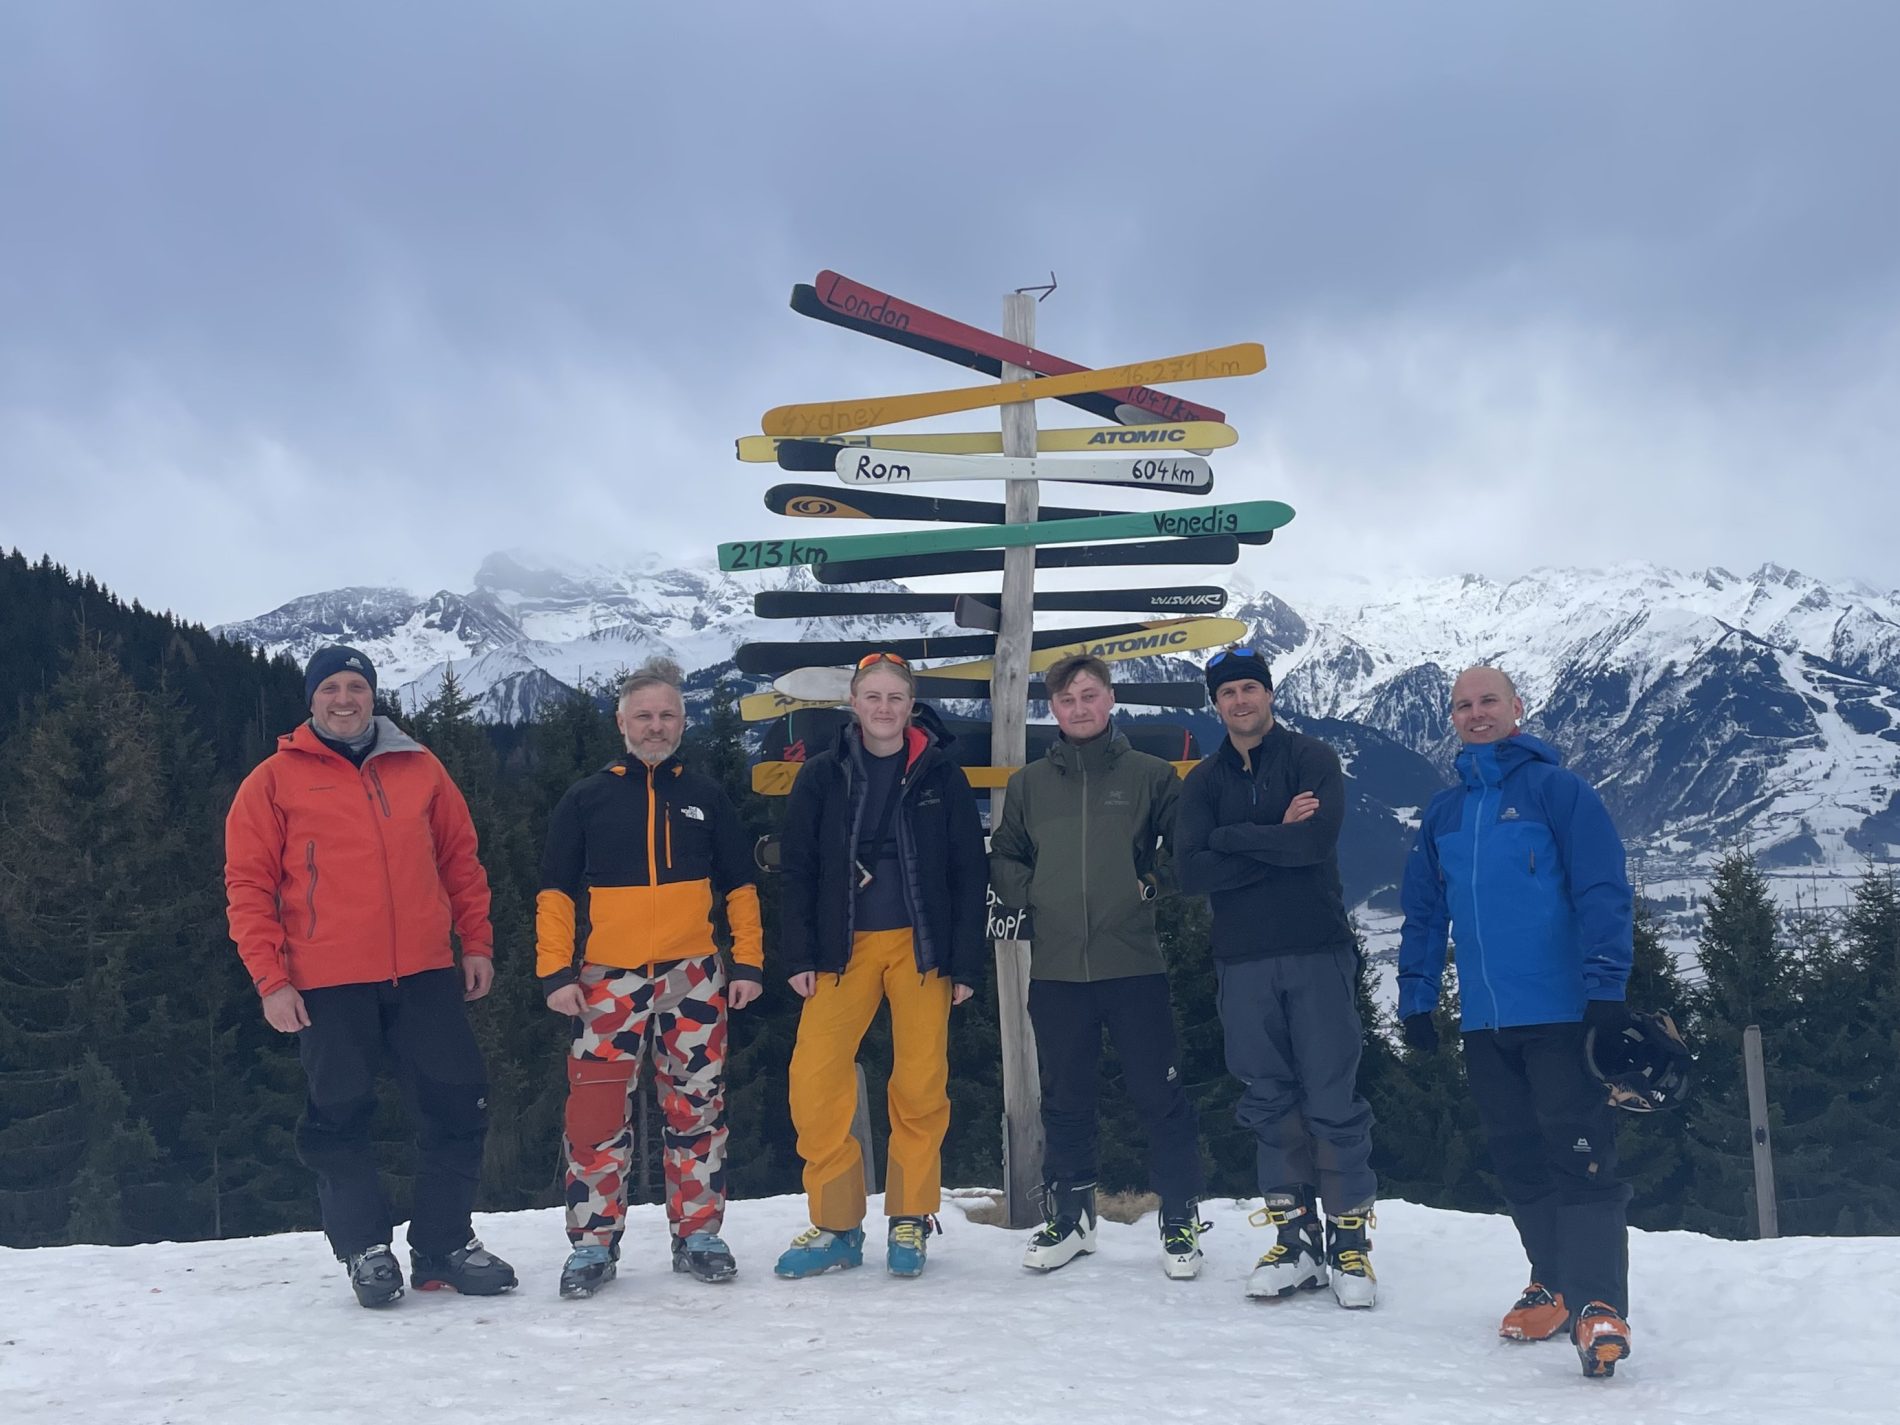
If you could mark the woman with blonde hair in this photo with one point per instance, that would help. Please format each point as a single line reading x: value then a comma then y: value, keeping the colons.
x: 885, y: 887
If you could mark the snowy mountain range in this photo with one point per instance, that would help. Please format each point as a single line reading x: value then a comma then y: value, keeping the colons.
x: 1710, y: 708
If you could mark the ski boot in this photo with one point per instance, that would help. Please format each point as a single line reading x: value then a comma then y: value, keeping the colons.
x: 1181, y: 1229
x: 1348, y: 1241
x: 704, y: 1255
x: 590, y: 1266
x: 374, y: 1275
x: 909, y: 1240
x: 1602, y: 1338
x: 1297, y: 1259
x: 472, y: 1271
x: 1538, y: 1315
x: 816, y: 1250
x: 1069, y: 1231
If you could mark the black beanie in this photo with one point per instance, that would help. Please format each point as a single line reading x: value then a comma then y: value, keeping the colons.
x: 1238, y: 663
x: 328, y: 662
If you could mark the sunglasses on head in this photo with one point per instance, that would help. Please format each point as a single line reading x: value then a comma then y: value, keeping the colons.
x: 873, y: 658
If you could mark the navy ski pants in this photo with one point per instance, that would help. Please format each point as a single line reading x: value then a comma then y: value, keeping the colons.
x: 1552, y: 1136
x: 1069, y: 1017
x: 420, y: 1025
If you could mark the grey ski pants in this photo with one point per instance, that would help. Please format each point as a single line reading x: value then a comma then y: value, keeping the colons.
x: 1293, y: 1039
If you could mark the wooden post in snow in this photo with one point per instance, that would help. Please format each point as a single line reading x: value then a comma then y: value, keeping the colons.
x: 1767, y: 1216
x: 1009, y: 696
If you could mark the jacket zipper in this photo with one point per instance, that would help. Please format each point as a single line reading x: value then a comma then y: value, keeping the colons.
x: 377, y: 779
x: 389, y: 885
x: 669, y: 837
x: 1086, y: 924
x: 653, y: 863
x: 310, y: 896
x: 1477, y: 920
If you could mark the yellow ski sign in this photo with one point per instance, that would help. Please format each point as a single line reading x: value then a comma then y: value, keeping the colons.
x: 824, y: 418
x: 774, y: 779
x: 1185, y: 436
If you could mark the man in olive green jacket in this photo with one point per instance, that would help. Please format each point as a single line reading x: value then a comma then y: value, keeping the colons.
x: 1083, y: 843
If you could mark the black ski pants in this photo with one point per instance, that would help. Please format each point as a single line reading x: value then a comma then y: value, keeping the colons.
x: 1069, y: 1018
x: 1293, y: 1038
x: 420, y: 1025
x: 1552, y: 1136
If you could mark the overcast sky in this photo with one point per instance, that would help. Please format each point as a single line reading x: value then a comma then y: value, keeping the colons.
x: 299, y: 296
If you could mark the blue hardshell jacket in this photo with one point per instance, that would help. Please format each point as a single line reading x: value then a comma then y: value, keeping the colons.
x: 1523, y: 868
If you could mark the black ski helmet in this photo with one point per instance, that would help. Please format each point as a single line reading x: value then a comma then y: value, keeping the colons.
x: 1645, y: 1065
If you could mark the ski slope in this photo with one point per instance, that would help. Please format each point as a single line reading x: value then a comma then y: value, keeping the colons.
x: 1796, y: 1332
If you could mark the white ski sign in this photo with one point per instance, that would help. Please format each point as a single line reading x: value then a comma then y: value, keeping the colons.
x: 902, y: 467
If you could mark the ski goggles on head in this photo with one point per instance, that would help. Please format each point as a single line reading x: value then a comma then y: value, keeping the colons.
x: 872, y: 659
x: 1235, y: 651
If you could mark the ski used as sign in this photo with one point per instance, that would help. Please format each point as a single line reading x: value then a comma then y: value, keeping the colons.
x: 1202, y: 549
x: 817, y: 502
x: 763, y: 659
x: 1176, y: 636
x: 1192, y: 437
x: 763, y: 707
x: 1181, y: 474
x: 1243, y: 517
x: 836, y: 417
x: 837, y: 299
x: 838, y: 603
x: 774, y: 779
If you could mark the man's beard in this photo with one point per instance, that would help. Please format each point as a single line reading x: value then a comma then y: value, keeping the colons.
x: 652, y: 758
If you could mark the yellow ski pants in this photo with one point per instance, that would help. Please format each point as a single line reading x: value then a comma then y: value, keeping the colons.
x: 824, y: 1082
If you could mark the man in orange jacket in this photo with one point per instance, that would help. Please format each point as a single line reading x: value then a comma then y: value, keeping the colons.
x: 646, y: 844
x: 349, y: 856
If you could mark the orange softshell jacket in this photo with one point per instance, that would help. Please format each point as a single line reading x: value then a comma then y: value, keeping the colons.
x: 336, y: 875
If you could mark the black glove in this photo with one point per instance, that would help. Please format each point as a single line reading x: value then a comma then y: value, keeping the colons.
x: 1421, y: 1032
x: 1606, y: 1016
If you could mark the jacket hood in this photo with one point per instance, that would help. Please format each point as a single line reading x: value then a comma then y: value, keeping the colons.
x: 1486, y: 764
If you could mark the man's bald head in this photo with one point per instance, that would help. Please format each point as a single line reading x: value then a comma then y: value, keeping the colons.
x: 1485, y: 706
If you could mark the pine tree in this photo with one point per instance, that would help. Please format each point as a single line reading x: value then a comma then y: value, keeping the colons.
x: 1652, y: 1149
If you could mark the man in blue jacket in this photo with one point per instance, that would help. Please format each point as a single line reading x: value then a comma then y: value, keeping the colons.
x: 1259, y: 836
x: 1521, y: 865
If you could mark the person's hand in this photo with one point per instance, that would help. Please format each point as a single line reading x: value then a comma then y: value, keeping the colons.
x: 804, y: 985
x: 1300, y: 808
x: 284, y: 1011
x: 741, y: 993
x: 478, y: 976
x: 1421, y: 1033
x: 960, y: 993
x: 1606, y: 1016
x: 568, y: 1000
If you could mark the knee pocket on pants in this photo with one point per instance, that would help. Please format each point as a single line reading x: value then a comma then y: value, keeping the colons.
x: 451, y: 1110
x: 597, y: 1095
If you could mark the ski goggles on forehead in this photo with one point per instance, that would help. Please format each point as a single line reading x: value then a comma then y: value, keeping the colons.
x: 1234, y: 652
x: 871, y: 660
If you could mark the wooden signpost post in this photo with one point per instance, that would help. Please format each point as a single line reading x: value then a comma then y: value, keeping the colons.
x: 1157, y: 446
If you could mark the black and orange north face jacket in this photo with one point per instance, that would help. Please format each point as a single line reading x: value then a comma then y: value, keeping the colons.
x: 649, y: 847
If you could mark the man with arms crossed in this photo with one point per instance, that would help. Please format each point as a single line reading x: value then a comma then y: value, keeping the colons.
x: 1259, y: 835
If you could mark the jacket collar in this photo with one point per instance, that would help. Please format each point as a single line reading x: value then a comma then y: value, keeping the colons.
x: 1094, y: 755
x: 627, y: 765
x: 1229, y: 755
x: 389, y: 738
x: 1487, y: 764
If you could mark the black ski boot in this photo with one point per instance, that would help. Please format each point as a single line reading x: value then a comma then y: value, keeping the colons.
x: 1297, y: 1259
x: 704, y: 1255
x: 470, y: 1270
x: 374, y: 1275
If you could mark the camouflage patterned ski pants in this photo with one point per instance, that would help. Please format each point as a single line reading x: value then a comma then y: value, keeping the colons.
x: 680, y: 1011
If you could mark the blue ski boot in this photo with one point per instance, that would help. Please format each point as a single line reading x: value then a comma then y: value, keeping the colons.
x: 703, y: 1255
x: 815, y: 1250
x: 590, y: 1267
x: 910, y: 1238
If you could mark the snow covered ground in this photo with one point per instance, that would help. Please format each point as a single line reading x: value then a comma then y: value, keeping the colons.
x: 1795, y: 1332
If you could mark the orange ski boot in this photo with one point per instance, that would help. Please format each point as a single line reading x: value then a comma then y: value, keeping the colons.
x: 1538, y: 1315
x: 1602, y: 1338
